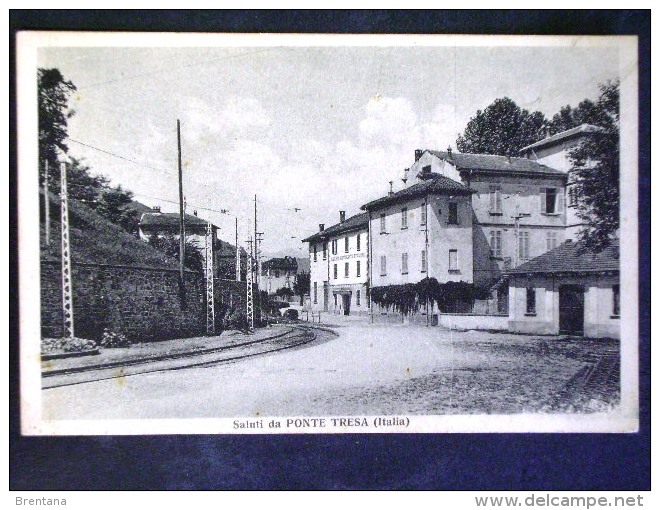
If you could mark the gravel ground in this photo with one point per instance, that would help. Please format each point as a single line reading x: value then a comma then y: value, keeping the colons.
x: 366, y: 370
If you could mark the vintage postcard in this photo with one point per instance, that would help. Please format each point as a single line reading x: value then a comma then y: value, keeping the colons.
x: 263, y: 234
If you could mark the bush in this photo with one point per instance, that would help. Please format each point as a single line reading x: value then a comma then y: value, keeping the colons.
x: 78, y: 344
x: 237, y: 319
x: 112, y: 339
x: 49, y: 345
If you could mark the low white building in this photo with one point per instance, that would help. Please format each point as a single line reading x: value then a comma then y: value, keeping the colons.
x: 567, y: 291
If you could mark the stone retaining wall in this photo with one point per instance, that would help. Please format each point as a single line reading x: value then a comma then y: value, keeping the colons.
x: 143, y: 303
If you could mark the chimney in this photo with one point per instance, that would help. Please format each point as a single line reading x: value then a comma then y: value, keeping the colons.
x: 405, y: 176
x: 195, y: 212
x: 321, y: 227
x: 391, y: 188
x: 450, y: 158
x: 156, y: 208
x: 342, y: 216
x: 418, y: 154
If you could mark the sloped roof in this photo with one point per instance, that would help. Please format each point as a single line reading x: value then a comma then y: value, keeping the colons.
x: 353, y: 223
x: 490, y: 162
x: 281, y: 263
x: 562, y: 136
x: 572, y: 257
x: 439, y: 184
x: 155, y: 219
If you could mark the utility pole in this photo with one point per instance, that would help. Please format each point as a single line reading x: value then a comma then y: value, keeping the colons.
x: 47, y: 205
x: 238, y: 255
x: 249, y: 297
x: 182, y: 227
x: 208, y: 267
x: 256, y: 243
x: 67, y: 294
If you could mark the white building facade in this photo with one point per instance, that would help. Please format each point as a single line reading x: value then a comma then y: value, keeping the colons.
x: 339, y: 266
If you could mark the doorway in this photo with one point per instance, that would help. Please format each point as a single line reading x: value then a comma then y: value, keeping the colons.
x: 346, y: 301
x: 571, y: 310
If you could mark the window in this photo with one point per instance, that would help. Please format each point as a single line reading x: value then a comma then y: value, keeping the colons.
x: 316, y: 293
x: 346, y: 270
x: 314, y: 249
x: 550, y: 240
x: 531, y: 301
x: 325, y: 250
x: 496, y: 243
x: 277, y: 273
x: 383, y: 265
x: 383, y: 226
x: 495, y: 200
x: 357, y: 242
x: 346, y: 244
x: 523, y: 245
x: 335, y: 299
x: 357, y: 298
x: 423, y: 222
x: 616, y: 301
x: 552, y: 200
x: 357, y: 268
x: 453, y: 213
x: 404, y: 218
x: 334, y: 271
x: 453, y: 260
x: 424, y: 264
x: 334, y: 247
x: 404, y: 263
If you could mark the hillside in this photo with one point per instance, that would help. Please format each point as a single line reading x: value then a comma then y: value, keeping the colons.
x: 93, y: 239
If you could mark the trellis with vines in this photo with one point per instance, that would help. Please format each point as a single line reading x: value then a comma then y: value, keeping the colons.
x: 410, y: 297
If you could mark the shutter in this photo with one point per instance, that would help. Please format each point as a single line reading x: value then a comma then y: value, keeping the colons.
x: 560, y: 201
x: 543, y: 200
x: 526, y: 244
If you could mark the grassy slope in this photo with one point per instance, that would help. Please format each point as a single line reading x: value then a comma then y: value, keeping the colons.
x: 93, y: 239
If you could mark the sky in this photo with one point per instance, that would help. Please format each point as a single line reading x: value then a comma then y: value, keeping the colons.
x: 321, y: 129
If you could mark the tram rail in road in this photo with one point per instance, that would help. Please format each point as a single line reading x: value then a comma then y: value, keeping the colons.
x: 296, y: 337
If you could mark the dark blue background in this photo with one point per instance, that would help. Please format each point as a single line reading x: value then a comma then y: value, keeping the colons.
x: 423, y: 461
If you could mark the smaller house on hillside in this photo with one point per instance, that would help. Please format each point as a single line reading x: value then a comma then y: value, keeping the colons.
x: 567, y: 290
x: 279, y: 273
x: 157, y: 223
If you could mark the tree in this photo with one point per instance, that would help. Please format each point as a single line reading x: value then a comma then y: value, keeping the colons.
x: 503, y: 128
x: 595, y: 170
x: 587, y: 112
x: 54, y: 112
x: 301, y: 285
x: 169, y: 245
x: 284, y: 292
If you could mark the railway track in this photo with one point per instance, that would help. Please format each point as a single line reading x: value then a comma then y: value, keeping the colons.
x: 299, y: 335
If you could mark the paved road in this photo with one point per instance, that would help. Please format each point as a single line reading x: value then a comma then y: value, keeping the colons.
x: 365, y: 370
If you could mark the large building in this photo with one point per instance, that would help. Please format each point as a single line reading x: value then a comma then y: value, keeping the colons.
x: 471, y: 218
x: 339, y: 266
x: 424, y: 230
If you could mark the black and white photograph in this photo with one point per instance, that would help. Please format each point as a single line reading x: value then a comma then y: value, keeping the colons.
x: 267, y: 234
